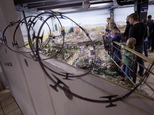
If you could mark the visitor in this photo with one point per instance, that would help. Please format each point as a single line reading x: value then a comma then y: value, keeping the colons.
x: 138, y: 31
x: 112, y: 24
x: 152, y: 38
x: 128, y: 26
x: 146, y: 39
x: 127, y: 61
x: 116, y: 48
x: 149, y: 24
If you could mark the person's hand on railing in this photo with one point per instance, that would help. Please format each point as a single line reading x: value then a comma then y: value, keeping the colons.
x: 106, y: 33
x: 137, y: 54
x: 122, y: 47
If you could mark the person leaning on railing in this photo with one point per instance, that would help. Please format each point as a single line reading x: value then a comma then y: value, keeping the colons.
x: 116, y: 48
x: 126, y: 60
x: 139, y: 32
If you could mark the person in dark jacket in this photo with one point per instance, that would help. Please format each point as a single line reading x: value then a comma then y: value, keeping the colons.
x: 146, y: 39
x: 116, y: 48
x: 128, y: 26
x: 152, y: 37
x: 139, y: 32
x: 149, y: 24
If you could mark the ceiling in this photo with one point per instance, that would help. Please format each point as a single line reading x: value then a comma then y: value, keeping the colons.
x: 66, y: 6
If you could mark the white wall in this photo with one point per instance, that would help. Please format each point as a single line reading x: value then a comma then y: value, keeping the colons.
x: 97, y: 17
x: 15, y: 74
x: 88, y: 18
x: 120, y: 14
x: 151, y: 10
x: 45, y: 28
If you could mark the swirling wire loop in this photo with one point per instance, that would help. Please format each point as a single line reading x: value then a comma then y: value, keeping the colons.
x: 44, y: 67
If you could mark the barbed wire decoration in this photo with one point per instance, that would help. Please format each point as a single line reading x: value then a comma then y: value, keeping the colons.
x: 37, y: 36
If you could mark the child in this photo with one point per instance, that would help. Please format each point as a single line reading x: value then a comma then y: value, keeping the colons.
x: 126, y: 60
x: 116, y: 48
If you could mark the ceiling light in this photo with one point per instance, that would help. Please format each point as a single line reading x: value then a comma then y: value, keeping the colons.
x: 99, y: 5
x: 63, y: 10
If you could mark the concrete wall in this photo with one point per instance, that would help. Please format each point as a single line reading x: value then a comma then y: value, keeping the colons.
x: 31, y: 87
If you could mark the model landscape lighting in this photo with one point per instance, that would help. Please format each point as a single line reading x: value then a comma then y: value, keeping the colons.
x: 56, y: 10
x: 63, y: 10
x: 68, y: 10
x: 98, y: 5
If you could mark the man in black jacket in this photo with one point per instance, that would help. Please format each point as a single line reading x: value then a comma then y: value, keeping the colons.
x: 149, y: 24
x: 139, y: 32
x: 128, y: 26
x: 152, y: 37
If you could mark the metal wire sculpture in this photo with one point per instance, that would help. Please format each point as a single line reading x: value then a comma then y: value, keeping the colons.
x: 35, y: 55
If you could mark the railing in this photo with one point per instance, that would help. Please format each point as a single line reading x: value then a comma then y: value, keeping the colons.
x: 109, y: 48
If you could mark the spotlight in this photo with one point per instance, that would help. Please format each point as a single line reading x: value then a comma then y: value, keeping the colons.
x: 86, y: 4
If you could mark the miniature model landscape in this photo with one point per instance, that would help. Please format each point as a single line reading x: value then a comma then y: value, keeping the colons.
x: 79, y: 52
